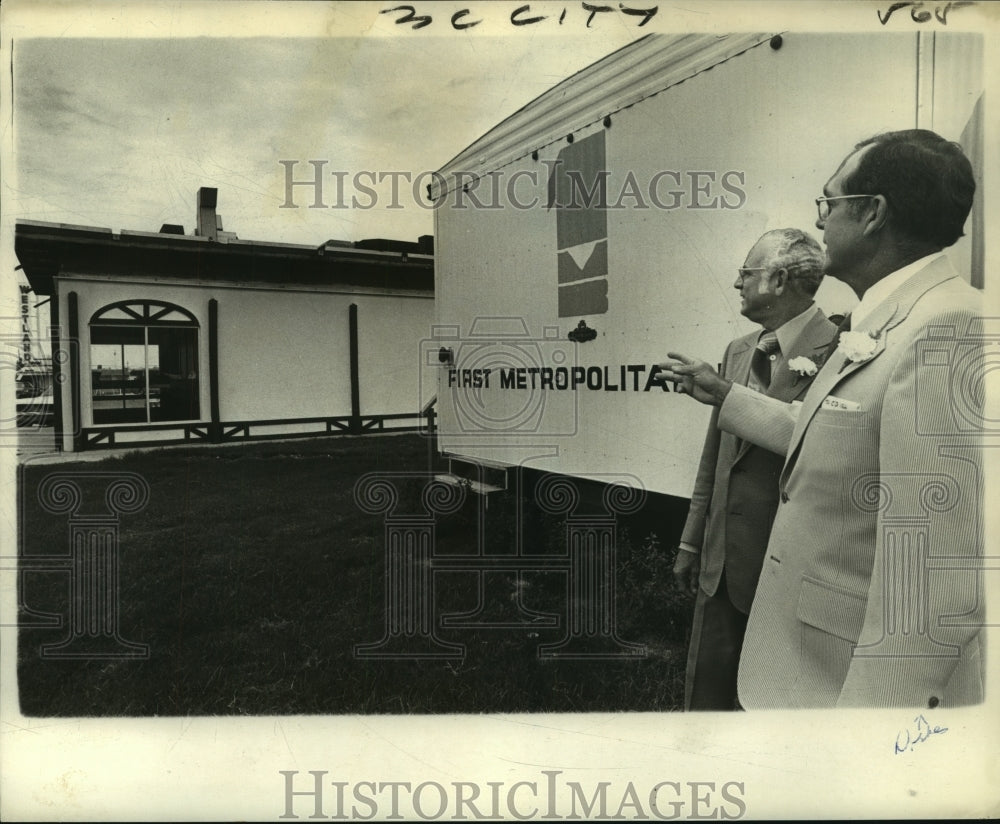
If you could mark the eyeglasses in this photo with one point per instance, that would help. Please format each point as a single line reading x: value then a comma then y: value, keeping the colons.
x: 744, y: 272
x: 823, y: 203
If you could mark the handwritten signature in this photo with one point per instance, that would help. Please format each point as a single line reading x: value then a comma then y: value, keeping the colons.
x: 918, y: 14
x: 522, y: 15
x: 907, y: 739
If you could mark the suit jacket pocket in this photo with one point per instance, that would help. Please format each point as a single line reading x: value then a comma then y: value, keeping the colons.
x: 848, y: 418
x: 831, y: 609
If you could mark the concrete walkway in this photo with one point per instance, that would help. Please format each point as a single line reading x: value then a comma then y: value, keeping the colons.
x: 36, y: 445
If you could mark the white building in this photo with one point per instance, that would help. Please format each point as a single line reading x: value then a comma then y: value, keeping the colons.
x: 171, y: 338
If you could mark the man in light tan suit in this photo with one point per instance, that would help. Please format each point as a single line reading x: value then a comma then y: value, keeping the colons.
x: 736, y: 489
x: 871, y: 590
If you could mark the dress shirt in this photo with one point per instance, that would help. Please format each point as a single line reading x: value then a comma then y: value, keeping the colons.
x: 880, y: 290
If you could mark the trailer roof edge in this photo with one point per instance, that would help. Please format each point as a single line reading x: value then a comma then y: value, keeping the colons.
x: 618, y: 81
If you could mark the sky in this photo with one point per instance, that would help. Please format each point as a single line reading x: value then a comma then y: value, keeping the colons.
x: 121, y: 133
x: 120, y: 113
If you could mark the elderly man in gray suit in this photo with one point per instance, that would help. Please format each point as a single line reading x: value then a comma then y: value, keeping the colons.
x: 871, y: 591
x: 736, y: 490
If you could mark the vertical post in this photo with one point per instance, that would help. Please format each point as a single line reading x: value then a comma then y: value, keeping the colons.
x: 355, y: 426
x: 74, y: 368
x: 972, y: 141
x: 431, y: 451
x: 122, y: 377
x: 55, y: 346
x: 925, y: 81
x: 215, y: 427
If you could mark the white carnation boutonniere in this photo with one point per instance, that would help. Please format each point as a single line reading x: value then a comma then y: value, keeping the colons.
x: 857, y: 347
x: 802, y: 366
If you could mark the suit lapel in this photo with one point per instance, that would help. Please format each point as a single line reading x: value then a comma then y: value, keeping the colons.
x: 890, y: 313
x: 738, y: 368
x: 738, y: 371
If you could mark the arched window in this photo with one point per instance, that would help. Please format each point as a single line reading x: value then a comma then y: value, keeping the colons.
x: 143, y: 363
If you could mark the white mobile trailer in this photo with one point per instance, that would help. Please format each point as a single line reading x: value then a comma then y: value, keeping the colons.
x: 702, y: 144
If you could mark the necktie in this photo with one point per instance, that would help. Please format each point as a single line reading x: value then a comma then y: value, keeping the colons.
x: 760, y: 363
x: 845, y: 326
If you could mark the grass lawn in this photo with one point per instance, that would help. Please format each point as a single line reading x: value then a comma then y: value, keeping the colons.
x: 252, y: 574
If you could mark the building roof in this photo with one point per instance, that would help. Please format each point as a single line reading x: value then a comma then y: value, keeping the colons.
x: 46, y: 250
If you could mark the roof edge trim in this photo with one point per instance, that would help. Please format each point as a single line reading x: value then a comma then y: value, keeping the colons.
x: 624, y: 78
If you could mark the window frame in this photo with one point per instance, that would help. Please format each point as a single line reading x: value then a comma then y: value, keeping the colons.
x: 145, y: 314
